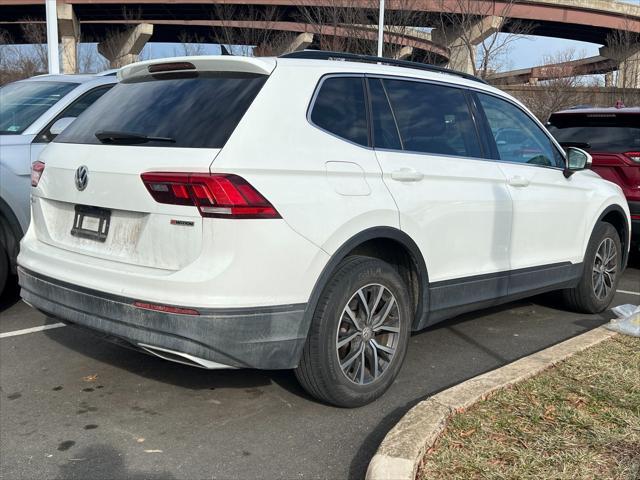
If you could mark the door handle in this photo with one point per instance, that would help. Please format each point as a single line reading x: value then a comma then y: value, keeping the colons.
x: 407, y: 175
x: 518, y: 181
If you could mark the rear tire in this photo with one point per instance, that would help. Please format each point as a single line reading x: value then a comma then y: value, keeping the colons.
x: 359, y: 334
x: 601, y: 274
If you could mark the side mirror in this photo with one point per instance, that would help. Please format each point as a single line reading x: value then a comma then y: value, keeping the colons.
x: 577, y: 159
x: 59, y: 125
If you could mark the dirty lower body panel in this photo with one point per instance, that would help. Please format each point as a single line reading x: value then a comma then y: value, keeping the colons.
x: 261, y: 337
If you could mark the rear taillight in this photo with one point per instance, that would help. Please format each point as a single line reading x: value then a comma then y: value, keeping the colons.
x: 36, y: 172
x: 635, y: 156
x: 217, y: 195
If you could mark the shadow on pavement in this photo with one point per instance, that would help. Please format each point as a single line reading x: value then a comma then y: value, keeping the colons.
x: 85, y: 343
x: 104, y: 462
x: 11, y: 294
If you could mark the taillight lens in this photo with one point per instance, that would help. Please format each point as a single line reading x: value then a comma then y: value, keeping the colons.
x: 635, y: 156
x: 217, y: 195
x: 36, y: 172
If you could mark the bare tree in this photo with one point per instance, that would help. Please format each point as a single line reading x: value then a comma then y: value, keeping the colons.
x: 479, y: 34
x: 563, y: 87
x: 190, y: 45
x: 23, y: 61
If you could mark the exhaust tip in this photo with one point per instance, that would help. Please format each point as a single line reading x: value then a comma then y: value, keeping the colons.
x: 184, y: 358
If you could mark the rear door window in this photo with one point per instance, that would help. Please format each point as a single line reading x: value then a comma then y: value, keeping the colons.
x: 196, y: 111
x: 433, y: 118
x: 340, y: 108
x: 385, y: 129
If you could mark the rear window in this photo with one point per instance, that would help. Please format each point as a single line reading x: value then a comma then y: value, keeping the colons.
x: 598, y: 132
x: 22, y: 103
x: 198, y: 111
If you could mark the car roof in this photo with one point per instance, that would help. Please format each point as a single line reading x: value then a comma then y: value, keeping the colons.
x: 601, y: 110
x: 75, y: 78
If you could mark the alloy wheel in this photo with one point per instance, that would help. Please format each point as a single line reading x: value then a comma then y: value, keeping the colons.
x: 605, y: 268
x: 368, y: 334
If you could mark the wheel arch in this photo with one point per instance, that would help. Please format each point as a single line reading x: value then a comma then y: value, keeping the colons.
x: 365, y: 243
x: 617, y: 217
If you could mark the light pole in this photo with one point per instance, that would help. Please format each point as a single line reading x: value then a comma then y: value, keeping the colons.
x: 381, y: 28
x: 52, y: 37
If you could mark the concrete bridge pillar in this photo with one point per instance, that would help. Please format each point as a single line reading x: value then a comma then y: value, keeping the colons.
x: 69, y: 29
x: 125, y: 47
x: 628, y: 65
x: 301, y: 42
x: 462, y: 41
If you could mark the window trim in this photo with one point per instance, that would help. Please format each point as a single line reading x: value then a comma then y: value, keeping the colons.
x: 365, y: 91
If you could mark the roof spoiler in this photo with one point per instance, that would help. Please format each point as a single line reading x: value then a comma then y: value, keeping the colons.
x: 220, y: 63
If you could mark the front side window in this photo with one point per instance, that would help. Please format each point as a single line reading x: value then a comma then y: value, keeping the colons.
x: 518, y: 138
x: 340, y: 108
x: 433, y: 118
x: 198, y: 110
x: 22, y: 103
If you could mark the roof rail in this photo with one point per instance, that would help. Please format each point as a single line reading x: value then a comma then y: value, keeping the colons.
x: 352, y: 57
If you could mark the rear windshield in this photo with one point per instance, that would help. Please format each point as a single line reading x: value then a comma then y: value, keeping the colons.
x: 22, y: 103
x: 198, y: 111
x: 601, y: 133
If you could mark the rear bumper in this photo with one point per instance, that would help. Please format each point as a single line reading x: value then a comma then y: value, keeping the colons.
x: 261, y: 337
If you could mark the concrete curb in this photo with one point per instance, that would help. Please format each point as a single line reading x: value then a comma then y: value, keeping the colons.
x: 401, y: 451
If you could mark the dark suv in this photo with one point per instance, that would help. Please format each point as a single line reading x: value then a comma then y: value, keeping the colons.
x: 612, y: 137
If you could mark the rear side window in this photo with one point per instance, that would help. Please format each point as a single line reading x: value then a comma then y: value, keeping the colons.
x: 433, y: 118
x: 340, y: 108
x: 598, y: 132
x: 518, y: 138
x: 198, y: 111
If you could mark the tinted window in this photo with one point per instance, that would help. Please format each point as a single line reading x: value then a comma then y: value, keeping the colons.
x: 340, y: 108
x: 199, y: 111
x: 22, y: 103
x: 518, y: 138
x: 432, y: 118
x: 600, y: 132
x: 385, y: 131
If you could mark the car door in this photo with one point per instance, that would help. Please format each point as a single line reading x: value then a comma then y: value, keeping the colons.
x: 548, y: 228
x: 451, y: 201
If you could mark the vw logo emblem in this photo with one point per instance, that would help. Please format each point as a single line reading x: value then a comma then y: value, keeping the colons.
x: 82, y: 177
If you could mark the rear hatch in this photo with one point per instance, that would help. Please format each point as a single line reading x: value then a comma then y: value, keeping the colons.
x: 170, y: 116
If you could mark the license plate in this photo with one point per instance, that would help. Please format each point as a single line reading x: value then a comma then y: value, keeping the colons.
x: 91, y: 222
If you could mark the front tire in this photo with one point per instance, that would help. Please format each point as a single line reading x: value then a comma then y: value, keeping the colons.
x: 601, y: 274
x: 359, y: 334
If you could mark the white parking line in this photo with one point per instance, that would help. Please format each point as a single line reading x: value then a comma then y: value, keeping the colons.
x: 628, y: 292
x: 31, y: 330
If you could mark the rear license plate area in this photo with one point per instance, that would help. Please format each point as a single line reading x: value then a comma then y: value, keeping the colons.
x: 91, y: 222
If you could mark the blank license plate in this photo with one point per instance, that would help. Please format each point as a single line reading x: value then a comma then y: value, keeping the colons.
x: 91, y: 222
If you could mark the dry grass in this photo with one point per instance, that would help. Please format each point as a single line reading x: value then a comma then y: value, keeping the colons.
x: 579, y: 420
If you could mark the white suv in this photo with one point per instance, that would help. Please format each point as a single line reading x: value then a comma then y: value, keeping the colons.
x: 308, y: 213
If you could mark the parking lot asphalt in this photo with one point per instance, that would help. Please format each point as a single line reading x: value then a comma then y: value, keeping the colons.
x: 75, y: 406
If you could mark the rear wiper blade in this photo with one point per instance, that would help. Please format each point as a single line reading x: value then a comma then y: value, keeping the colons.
x: 127, y: 138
